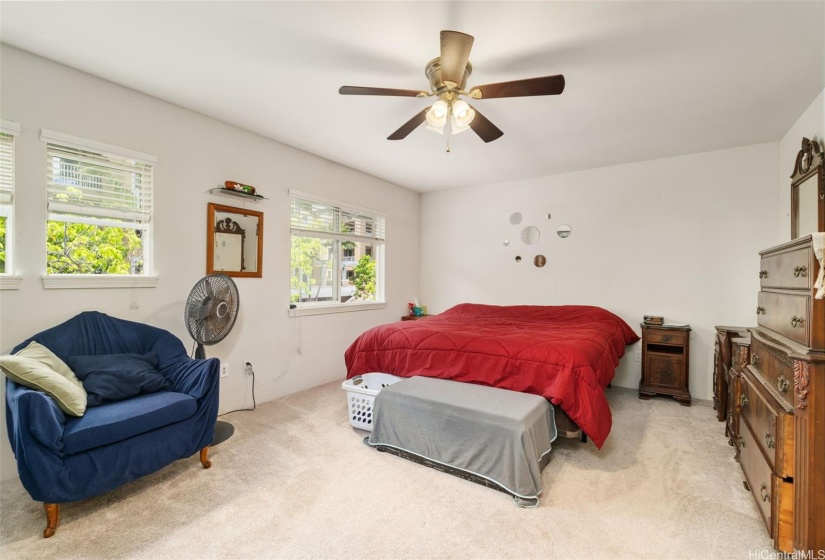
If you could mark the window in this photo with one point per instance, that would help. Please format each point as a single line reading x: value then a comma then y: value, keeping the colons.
x: 100, y: 207
x: 336, y: 255
x: 8, y: 131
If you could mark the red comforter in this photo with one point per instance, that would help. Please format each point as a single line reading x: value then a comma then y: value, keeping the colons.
x: 567, y: 354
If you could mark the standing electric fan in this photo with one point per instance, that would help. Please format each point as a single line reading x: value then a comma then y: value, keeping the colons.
x: 211, y: 310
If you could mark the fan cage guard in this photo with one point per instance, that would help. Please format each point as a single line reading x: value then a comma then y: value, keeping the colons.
x: 211, y: 309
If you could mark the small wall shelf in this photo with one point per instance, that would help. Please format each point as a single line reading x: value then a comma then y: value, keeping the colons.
x: 229, y: 192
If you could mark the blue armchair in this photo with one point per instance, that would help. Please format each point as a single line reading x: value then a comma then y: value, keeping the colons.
x: 63, y: 458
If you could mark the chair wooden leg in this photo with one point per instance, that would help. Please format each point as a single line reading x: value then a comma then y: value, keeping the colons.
x: 205, y: 458
x: 52, y: 519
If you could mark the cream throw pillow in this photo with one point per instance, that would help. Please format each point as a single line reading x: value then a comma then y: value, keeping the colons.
x: 37, y: 367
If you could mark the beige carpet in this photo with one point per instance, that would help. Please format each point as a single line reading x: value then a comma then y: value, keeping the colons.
x: 296, y: 482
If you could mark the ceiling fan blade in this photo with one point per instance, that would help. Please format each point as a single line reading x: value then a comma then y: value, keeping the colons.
x: 548, y: 85
x: 455, y: 52
x: 486, y: 130
x: 356, y: 90
x: 409, y: 126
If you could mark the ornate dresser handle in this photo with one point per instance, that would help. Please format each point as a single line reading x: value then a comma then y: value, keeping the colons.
x: 740, y: 441
x: 760, y: 310
x: 763, y: 273
x: 755, y: 359
x: 797, y: 321
x: 800, y: 271
x: 763, y: 491
x: 782, y: 384
x: 743, y: 400
x: 769, y: 440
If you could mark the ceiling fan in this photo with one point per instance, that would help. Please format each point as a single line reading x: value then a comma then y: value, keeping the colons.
x: 448, y: 75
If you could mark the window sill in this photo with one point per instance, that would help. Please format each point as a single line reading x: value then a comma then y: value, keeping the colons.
x: 10, y: 282
x: 89, y: 281
x: 337, y: 308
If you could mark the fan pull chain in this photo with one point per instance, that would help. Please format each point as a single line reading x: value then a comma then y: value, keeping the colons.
x: 448, y: 127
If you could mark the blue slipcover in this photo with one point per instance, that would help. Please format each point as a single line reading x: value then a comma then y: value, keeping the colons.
x: 61, y: 458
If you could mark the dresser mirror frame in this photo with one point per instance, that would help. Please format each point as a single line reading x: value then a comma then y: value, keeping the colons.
x: 809, y: 165
x: 231, y: 221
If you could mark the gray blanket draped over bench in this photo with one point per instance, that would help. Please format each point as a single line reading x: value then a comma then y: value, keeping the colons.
x: 497, y: 434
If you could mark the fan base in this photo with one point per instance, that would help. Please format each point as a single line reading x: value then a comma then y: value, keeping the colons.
x: 223, y: 431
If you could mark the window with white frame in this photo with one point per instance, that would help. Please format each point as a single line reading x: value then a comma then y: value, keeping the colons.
x: 8, y: 131
x: 99, y: 207
x: 337, y: 253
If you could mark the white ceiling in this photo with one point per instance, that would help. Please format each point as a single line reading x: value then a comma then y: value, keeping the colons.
x: 645, y: 80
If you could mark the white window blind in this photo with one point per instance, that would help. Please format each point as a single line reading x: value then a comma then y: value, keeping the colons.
x: 322, y: 218
x: 6, y: 168
x: 90, y: 183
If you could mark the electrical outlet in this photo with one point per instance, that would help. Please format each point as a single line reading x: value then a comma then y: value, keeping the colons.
x: 134, y: 306
x: 247, y: 367
x: 224, y: 370
x: 638, y: 356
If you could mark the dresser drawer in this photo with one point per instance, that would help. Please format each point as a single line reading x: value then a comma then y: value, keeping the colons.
x: 787, y: 314
x: 774, y: 368
x: 783, y: 508
x: 771, y: 425
x: 788, y: 269
x: 758, y: 474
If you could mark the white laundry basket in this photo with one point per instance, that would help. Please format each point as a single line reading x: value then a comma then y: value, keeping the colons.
x: 361, y: 391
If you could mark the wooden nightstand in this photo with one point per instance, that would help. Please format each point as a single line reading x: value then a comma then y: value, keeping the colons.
x: 413, y: 317
x: 665, y: 362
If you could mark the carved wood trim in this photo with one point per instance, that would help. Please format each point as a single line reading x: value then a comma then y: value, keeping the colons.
x: 801, y: 378
x: 808, y: 154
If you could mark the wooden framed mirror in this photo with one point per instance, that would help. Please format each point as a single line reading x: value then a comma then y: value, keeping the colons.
x: 808, y: 190
x: 234, y: 241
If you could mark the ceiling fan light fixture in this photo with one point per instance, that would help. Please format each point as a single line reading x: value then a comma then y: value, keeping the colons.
x: 456, y: 127
x: 437, y: 115
x: 463, y: 113
x: 436, y: 129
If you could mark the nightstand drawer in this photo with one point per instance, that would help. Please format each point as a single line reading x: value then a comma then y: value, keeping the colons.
x: 672, y: 337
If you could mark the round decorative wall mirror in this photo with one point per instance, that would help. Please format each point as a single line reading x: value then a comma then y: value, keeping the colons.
x: 564, y: 231
x: 539, y: 261
x: 515, y: 218
x: 530, y: 235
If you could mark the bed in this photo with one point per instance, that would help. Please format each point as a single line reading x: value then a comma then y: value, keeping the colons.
x: 567, y: 354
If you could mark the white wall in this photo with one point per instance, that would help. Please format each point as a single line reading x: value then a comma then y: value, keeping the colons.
x: 811, y: 125
x: 677, y: 237
x: 194, y: 154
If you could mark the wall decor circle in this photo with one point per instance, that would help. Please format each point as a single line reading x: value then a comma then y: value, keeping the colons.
x: 515, y: 218
x: 518, y: 258
x: 530, y: 235
x: 539, y: 261
x: 506, y: 243
x: 564, y: 231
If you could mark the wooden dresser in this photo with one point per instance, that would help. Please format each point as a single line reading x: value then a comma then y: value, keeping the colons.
x: 781, y: 431
x: 722, y: 358
x: 740, y: 358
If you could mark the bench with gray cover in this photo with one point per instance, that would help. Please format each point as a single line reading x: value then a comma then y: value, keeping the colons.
x: 493, y: 436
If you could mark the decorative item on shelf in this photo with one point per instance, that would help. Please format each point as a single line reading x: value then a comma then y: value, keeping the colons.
x: 240, y: 187
x: 234, y: 188
x: 654, y: 320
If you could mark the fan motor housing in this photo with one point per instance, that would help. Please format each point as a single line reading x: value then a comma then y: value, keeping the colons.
x: 433, y: 72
